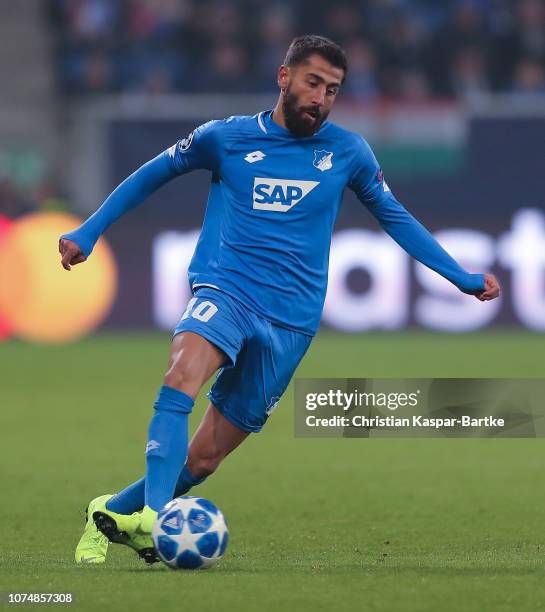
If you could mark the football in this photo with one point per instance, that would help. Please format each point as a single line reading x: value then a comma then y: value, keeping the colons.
x: 190, y: 533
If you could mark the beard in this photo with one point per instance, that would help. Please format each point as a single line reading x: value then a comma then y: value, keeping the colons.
x: 297, y: 121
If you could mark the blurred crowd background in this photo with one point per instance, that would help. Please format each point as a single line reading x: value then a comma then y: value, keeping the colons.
x: 398, y: 49
x: 72, y: 53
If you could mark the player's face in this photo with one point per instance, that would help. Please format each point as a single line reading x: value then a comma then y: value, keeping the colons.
x: 310, y: 90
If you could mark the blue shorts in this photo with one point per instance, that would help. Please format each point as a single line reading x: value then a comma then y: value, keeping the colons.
x: 261, y: 356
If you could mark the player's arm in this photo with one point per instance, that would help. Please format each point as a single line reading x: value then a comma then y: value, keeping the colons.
x: 369, y: 185
x: 198, y: 150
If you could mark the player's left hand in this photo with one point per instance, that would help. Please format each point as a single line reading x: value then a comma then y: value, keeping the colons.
x: 491, y: 289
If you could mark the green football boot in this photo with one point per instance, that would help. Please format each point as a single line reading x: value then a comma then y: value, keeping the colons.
x: 93, y: 545
x: 147, y: 518
x: 133, y: 530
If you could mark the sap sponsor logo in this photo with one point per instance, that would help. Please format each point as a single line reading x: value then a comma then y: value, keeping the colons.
x: 280, y: 194
x: 400, y: 292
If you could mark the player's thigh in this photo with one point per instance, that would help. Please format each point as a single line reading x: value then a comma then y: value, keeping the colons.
x: 247, y: 394
x: 214, y: 439
x: 193, y: 360
x: 209, y: 335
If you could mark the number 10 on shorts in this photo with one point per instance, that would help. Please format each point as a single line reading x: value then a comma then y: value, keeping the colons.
x: 202, y: 312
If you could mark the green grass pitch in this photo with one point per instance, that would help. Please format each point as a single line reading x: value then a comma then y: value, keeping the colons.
x: 316, y: 524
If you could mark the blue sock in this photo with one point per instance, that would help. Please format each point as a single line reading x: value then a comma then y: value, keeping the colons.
x: 166, y: 451
x: 186, y: 481
x: 131, y: 499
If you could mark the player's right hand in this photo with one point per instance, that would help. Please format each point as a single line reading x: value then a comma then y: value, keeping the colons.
x: 71, y: 254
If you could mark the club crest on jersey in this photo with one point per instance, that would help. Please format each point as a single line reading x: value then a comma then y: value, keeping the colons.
x: 280, y: 194
x: 322, y: 160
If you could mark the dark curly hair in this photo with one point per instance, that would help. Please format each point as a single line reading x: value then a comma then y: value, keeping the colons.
x: 302, y: 47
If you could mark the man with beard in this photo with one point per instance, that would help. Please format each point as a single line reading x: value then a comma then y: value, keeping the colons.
x: 258, y: 276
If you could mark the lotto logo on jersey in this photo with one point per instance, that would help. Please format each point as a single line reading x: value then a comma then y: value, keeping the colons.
x: 280, y: 194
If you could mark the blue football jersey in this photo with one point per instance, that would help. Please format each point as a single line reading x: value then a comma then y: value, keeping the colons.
x: 272, y: 205
x: 271, y: 210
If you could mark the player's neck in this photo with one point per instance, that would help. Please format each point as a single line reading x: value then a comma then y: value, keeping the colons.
x: 278, y: 116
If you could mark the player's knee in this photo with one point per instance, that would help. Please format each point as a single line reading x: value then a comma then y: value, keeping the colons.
x: 184, y: 374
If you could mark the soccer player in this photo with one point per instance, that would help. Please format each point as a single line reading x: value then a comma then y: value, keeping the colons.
x: 258, y: 276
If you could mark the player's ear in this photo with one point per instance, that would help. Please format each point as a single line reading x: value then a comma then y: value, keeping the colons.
x: 282, y: 77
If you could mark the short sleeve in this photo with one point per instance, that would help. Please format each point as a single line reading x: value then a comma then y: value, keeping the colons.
x: 200, y: 150
x: 367, y: 180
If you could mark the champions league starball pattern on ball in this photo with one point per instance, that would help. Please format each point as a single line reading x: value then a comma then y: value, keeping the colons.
x: 190, y: 533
